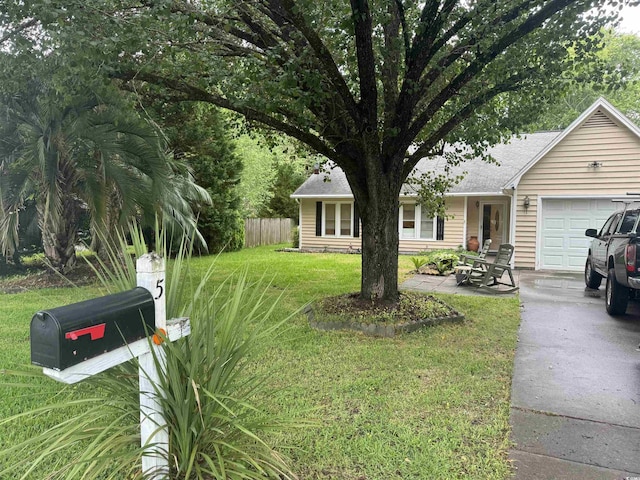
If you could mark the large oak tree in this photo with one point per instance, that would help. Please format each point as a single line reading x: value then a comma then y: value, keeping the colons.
x: 373, y: 85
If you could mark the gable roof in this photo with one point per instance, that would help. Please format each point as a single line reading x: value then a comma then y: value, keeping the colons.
x: 591, y: 114
x: 514, y: 159
x: 330, y: 184
x: 480, y: 177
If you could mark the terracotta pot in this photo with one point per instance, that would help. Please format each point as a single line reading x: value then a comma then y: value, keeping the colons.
x: 472, y: 244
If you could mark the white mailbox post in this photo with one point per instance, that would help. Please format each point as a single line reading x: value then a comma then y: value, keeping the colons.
x: 150, y: 270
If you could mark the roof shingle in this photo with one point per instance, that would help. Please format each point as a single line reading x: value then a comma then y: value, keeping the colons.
x: 479, y: 176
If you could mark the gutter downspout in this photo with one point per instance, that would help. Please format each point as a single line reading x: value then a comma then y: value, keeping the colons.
x: 299, y: 227
x: 465, y: 223
x: 512, y: 226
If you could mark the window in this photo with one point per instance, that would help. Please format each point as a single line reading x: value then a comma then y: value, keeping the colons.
x: 337, y: 219
x: 345, y: 219
x: 610, y: 227
x: 426, y: 227
x: 330, y: 219
x: 629, y: 221
x: 409, y: 221
x: 606, y: 226
x: 415, y: 225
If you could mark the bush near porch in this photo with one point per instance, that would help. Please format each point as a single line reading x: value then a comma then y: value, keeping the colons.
x: 431, y: 404
x: 438, y: 262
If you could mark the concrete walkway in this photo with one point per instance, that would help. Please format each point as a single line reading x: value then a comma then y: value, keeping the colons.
x: 447, y: 284
x: 575, y: 397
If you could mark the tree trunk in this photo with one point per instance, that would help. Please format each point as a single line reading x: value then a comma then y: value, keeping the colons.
x: 379, y: 211
x: 106, y: 223
x: 60, y: 235
x: 380, y: 253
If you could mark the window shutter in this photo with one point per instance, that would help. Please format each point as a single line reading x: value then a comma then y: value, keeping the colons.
x: 440, y: 228
x: 318, y: 219
x: 356, y: 220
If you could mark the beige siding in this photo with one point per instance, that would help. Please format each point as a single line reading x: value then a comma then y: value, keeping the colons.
x: 566, y: 171
x: 473, y: 217
x: 453, y: 230
x: 454, y: 224
x: 308, y: 237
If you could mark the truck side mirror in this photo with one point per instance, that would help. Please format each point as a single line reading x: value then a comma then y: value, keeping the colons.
x: 591, y: 232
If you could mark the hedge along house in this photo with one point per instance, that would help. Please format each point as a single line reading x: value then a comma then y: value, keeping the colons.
x: 544, y: 191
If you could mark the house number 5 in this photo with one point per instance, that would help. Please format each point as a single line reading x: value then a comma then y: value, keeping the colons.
x: 160, y: 288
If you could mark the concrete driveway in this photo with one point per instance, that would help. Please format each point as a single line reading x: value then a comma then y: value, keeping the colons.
x: 575, y: 407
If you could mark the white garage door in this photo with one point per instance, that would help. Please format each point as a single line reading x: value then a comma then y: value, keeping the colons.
x: 564, y: 245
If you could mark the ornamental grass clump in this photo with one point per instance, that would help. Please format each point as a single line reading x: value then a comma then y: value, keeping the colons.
x: 217, y: 430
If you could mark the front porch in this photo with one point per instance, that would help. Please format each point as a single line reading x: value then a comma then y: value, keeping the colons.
x: 488, y: 217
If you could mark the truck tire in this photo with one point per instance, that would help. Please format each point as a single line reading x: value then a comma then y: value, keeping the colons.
x: 617, y: 296
x: 592, y: 278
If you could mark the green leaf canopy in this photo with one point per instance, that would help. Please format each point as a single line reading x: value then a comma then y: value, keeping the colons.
x: 374, y: 85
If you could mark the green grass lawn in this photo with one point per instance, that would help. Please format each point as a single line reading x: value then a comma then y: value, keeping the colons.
x: 433, y: 404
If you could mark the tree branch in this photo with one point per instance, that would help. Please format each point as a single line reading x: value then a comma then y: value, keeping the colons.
x: 423, y: 49
x: 482, y: 60
x: 405, y: 29
x: 276, y: 41
x: 193, y: 93
x: 20, y: 28
x: 322, y: 53
x: 456, y: 119
x: 362, y: 21
x: 390, y: 66
x: 258, y: 36
x: 465, y: 47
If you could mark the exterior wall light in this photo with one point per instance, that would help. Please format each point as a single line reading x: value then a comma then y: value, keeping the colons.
x: 526, y: 203
x: 595, y: 165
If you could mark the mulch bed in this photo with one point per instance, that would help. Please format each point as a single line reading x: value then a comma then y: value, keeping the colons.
x: 349, y: 312
x: 35, y: 278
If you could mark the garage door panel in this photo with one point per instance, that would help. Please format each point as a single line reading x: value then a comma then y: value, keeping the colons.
x: 556, y: 206
x: 552, y: 261
x: 579, y: 206
x: 563, y: 245
x: 554, y: 224
x: 579, y: 243
x: 579, y: 224
x: 602, y: 204
x: 576, y: 262
x: 553, y: 242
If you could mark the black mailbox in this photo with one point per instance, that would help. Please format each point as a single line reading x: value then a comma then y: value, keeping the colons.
x: 65, y: 336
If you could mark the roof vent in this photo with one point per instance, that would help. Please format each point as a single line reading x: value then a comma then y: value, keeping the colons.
x: 598, y: 120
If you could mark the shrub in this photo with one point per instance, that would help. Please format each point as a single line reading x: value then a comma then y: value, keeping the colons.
x: 295, y: 237
x: 418, y: 262
x: 443, y: 260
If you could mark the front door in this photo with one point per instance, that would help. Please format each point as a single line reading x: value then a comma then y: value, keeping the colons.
x: 493, y: 224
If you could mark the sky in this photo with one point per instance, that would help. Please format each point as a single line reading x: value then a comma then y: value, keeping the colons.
x: 630, y: 20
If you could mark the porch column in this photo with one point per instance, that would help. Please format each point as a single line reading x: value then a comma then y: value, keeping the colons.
x: 512, y: 226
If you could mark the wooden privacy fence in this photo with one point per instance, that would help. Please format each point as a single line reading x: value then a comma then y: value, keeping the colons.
x: 267, y: 231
